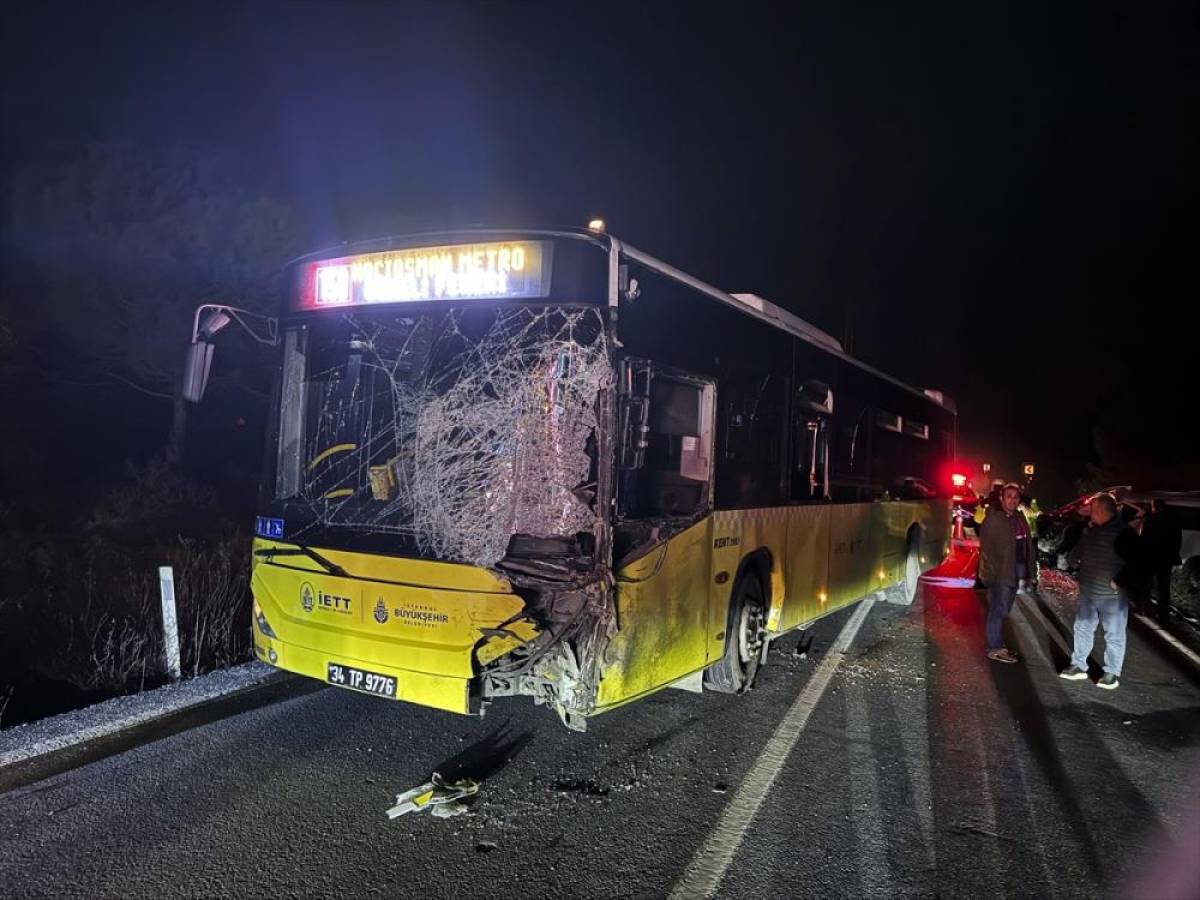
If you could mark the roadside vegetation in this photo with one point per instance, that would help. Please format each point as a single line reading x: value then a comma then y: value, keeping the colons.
x: 105, y: 474
x: 82, y: 610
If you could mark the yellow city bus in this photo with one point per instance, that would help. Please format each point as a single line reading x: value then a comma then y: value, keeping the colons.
x: 544, y: 463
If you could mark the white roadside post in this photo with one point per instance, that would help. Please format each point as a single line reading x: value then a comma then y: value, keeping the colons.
x: 166, y: 584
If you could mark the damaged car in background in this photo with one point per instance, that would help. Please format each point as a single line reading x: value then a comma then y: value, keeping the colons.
x: 1059, y: 530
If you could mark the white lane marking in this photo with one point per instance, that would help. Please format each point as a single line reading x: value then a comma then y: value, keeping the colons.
x: 1168, y: 637
x: 1031, y: 607
x: 704, y: 873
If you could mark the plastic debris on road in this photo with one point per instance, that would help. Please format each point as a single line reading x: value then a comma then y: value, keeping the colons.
x: 442, y: 799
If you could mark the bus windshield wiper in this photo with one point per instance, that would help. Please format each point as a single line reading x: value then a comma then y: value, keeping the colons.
x: 301, y: 550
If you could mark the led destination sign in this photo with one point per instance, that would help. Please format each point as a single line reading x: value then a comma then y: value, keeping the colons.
x: 477, y: 271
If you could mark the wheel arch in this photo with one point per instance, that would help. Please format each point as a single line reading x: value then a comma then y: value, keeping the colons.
x: 726, y: 675
x: 914, y: 536
x: 761, y: 563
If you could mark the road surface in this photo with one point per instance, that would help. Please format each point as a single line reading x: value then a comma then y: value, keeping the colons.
x: 921, y: 770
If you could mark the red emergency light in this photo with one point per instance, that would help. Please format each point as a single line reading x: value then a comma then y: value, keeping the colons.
x: 958, y: 480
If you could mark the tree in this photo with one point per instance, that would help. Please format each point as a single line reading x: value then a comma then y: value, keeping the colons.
x: 112, y: 245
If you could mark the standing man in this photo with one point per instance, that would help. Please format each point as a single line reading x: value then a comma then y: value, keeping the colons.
x: 1161, y: 539
x: 1005, y: 559
x: 1106, y: 555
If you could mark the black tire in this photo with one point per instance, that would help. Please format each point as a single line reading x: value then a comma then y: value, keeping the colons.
x: 912, y: 567
x: 734, y: 672
x: 904, y: 593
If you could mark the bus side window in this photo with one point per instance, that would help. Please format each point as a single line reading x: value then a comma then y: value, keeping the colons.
x: 752, y: 470
x: 674, y: 480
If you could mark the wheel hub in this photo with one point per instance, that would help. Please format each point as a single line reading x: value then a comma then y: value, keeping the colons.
x: 750, y: 633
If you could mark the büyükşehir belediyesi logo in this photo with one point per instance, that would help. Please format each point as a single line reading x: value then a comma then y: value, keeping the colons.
x: 306, y: 597
x: 381, y: 613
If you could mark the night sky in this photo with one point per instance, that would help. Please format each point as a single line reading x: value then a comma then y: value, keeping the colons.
x: 1002, y: 200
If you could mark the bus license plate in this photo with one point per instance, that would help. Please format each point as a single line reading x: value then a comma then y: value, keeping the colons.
x: 358, y: 680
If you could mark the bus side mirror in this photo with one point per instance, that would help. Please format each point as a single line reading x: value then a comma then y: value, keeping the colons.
x: 196, y: 369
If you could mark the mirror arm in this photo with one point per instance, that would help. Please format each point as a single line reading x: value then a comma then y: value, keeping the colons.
x: 241, y: 316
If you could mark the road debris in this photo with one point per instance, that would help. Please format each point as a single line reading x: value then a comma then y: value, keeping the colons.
x: 443, y: 799
x: 585, y: 786
x: 803, y: 645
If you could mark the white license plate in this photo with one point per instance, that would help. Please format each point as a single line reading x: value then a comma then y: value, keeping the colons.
x: 359, y: 680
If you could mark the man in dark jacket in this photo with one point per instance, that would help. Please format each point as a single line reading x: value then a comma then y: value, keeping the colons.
x: 1107, y: 557
x: 1005, y: 560
x: 1162, y: 538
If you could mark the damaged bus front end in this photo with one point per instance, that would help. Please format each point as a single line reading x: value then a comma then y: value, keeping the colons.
x: 433, y: 524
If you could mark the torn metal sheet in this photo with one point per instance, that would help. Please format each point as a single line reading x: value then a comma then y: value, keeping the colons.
x: 561, y: 667
x: 442, y: 799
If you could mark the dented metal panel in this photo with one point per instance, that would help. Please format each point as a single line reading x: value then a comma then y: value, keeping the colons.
x: 662, y: 603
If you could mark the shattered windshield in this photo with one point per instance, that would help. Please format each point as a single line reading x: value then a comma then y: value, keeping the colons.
x: 452, y: 430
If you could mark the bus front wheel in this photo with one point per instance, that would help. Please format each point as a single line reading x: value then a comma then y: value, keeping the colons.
x: 744, y: 635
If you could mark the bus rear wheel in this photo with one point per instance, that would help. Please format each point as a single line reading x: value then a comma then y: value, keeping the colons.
x: 745, y: 632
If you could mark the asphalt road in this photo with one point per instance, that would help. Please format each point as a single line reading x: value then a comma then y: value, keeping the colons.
x: 924, y: 770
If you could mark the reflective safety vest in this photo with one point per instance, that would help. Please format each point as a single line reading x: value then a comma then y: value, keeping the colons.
x: 1030, y: 519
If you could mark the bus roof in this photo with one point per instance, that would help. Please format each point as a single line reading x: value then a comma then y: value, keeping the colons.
x: 765, y: 310
x: 750, y: 304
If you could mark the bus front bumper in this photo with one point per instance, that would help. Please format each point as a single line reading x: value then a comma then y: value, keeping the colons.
x: 439, y: 691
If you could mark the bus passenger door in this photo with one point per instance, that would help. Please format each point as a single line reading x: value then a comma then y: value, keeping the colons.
x: 807, y: 563
x: 662, y: 538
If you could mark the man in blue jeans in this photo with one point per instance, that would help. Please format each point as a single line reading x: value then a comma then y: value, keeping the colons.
x: 1005, y: 560
x: 1106, y: 555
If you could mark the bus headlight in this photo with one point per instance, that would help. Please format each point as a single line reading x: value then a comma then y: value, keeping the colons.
x: 261, y: 621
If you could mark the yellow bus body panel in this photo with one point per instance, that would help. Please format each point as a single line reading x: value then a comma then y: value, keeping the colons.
x: 806, y: 561
x: 662, y: 618
x: 672, y: 602
x: 420, y: 621
x: 416, y: 620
